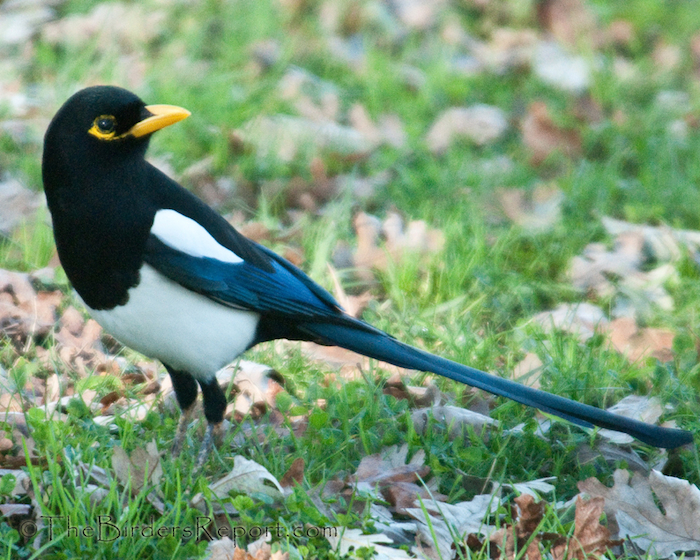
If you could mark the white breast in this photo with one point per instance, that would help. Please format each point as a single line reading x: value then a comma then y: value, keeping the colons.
x: 184, y: 330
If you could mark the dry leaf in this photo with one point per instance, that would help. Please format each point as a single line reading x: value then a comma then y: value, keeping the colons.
x: 635, y: 343
x: 295, y: 474
x: 257, y: 387
x: 532, y: 487
x: 224, y: 549
x: 560, y: 69
x: 390, y: 466
x: 542, y: 137
x: 511, y: 538
x: 25, y: 313
x: 457, y: 419
x: 107, y: 25
x: 445, y: 520
x: 285, y: 137
x: 528, y: 370
x: 644, y: 409
x: 481, y: 124
x: 247, y: 477
x: 416, y: 238
x: 580, y: 319
x: 590, y: 537
x: 537, y: 211
x: 388, y: 131
x: 353, y: 305
x: 613, y: 455
x: 354, y: 539
x: 662, y: 243
x: 141, y: 468
x: 507, y: 50
x: 569, y: 21
x: 661, y: 530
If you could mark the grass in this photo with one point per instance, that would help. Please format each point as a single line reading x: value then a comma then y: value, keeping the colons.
x: 471, y: 302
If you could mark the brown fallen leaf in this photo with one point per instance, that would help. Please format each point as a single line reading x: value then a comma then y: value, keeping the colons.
x: 569, y: 21
x: 542, y: 137
x: 666, y: 56
x: 295, y: 474
x: 621, y: 33
x: 511, y: 539
x: 389, y: 130
x: 24, y: 313
x: 387, y: 474
x: 79, y: 345
x: 416, y: 238
x: 638, y: 343
x: 659, y: 513
x: 508, y: 49
x: 397, y: 387
x: 140, y: 469
x: 590, y: 538
x: 353, y: 305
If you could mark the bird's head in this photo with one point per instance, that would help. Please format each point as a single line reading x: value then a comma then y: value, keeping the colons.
x: 101, y: 126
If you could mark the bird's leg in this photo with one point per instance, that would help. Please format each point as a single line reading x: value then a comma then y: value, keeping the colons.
x: 185, y: 388
x: 214, y: 402
x: 181, y: 432
x: 212, y: 434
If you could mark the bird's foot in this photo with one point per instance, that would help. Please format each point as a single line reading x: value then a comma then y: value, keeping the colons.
x: 181, y: 431
x: 214, y: 431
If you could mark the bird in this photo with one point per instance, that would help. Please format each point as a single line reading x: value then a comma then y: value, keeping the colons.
x: 169, y: 277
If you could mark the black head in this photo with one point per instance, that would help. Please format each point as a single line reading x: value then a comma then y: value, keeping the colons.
x: 97, y: 129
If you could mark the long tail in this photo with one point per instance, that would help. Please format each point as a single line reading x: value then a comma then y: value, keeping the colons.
x: 362, y: 338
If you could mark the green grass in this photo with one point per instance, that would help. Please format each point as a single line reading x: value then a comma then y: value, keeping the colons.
x: 471, y: 302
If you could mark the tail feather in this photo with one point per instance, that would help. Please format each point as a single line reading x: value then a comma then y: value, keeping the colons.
x: 362, y: 338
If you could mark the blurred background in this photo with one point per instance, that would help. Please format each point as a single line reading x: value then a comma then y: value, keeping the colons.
x: 429, y: 105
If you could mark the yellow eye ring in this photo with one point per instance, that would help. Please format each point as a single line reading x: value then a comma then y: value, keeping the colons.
x: 104, y: 127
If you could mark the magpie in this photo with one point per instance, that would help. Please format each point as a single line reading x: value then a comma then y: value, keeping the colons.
x: 169, y: 277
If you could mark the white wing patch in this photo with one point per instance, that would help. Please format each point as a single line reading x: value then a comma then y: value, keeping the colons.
x: 186, y: 235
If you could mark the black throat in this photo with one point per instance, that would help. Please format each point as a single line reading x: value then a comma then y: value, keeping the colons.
x: 102, y: 214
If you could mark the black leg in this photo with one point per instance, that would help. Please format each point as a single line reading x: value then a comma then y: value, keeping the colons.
x: 185, y: 388
x: 214, y: 402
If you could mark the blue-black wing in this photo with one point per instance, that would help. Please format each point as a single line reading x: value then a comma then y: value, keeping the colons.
x: 282, y: 292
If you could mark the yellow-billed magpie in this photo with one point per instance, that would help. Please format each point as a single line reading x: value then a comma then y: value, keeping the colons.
x: 168, y: 276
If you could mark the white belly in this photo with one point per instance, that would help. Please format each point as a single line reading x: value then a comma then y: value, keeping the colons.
x: 184, y: 330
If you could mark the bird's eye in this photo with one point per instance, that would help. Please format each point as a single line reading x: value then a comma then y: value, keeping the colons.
x: 106, y: 124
